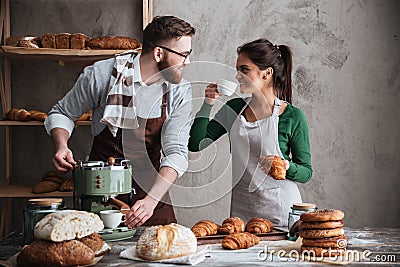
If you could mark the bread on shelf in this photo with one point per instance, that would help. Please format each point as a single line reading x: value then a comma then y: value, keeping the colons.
x: 113, y: 42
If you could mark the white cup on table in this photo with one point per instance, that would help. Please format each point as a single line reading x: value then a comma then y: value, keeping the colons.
x: 226, y: 87
x: 111, y: 218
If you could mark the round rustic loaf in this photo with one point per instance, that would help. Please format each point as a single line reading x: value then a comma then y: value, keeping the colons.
x: 43, y: 253
x: 166, y: 241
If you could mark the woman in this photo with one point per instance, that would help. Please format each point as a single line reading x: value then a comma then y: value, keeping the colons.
x: 263, y: 125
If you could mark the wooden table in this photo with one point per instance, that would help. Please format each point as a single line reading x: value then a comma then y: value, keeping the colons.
x: 381, y: 245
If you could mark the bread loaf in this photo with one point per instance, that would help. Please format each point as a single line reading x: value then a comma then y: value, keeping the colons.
x: 205, y: 228
x: 113, y: 42
x: 165, y: 242
x: 67, y: 225
x: 62, y: 40
x: 232, y: 225
x: 43, y: 253
x: 49, y: 40
x: 240, y: 241
x: 18, y: 115
x: 78, y: 41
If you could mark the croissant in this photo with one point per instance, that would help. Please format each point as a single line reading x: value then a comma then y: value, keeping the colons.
x: 205, y: 228
x: 278, y: 169
x: 232, y: 225
x: 259, y: 226
x: 240, y: 241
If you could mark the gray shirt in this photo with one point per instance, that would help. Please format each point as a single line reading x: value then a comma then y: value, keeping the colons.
x: 90, y: 92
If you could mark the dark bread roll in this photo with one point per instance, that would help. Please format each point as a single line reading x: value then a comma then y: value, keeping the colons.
x: 66, y: 186
x: 45, y: 187
x: 113, y: 42
x: 56, y: 179
x: 43, y: 253
x: 49, y: 40
x: 78, y: 41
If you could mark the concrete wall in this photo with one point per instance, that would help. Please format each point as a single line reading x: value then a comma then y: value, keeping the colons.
x: 346, y: 80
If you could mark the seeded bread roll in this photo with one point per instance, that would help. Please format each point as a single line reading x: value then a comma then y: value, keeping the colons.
x: 67, y: 225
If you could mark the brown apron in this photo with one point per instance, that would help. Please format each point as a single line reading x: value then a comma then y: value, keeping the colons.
x: 142, y: 146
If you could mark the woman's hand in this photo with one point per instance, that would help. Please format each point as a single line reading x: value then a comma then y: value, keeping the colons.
x: 211, y: 93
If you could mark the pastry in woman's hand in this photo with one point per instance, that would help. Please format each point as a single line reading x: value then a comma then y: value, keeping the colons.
x: 273, y: 166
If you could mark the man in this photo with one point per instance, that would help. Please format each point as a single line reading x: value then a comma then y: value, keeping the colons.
x: 144, y: 95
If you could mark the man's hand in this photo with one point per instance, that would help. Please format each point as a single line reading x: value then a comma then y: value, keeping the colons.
x: 63, y: 160
x: 140, y: 212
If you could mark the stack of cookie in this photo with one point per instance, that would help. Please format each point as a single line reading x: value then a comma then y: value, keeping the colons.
x: 322, y: 233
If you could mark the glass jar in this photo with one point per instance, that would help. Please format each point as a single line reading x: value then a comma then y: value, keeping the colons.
x: 294, y: 216
x: 35, y: 210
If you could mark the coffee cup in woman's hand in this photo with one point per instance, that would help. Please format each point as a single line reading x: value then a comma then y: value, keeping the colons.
x: 212, y: 93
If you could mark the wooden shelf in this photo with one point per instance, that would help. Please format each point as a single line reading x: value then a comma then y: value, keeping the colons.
x: 26, y: 191
x: 12, y: 52
x: 37, y: 123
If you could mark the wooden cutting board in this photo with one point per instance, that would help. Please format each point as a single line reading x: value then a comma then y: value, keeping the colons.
x: 275, y: 234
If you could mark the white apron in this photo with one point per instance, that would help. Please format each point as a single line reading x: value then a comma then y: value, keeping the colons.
x: 254, y: 193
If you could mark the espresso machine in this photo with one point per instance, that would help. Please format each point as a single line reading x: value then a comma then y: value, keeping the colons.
x: 96, y: 186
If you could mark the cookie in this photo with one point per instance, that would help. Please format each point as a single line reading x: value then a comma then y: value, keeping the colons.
x: 324, y: 252
x: 322, y: 216
x: 329, y: 242
x: 321, y: 233
x: 321, y: 225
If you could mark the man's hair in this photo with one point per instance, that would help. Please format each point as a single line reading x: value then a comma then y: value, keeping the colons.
x: 163, y: 29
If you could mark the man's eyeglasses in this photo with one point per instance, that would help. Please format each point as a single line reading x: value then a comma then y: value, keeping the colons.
x: 176, y: 52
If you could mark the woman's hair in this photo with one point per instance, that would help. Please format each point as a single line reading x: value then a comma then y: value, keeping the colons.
x: 264, y: 54
x: 162, y: 29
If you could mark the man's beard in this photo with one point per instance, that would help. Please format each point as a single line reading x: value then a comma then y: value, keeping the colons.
x: 170, y: 73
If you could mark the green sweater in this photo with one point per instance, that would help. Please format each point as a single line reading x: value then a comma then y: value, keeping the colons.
x: 292, y: 135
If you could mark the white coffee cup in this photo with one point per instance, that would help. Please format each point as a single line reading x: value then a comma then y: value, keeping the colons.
x: 226, y: 87
x: 111, y: 218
